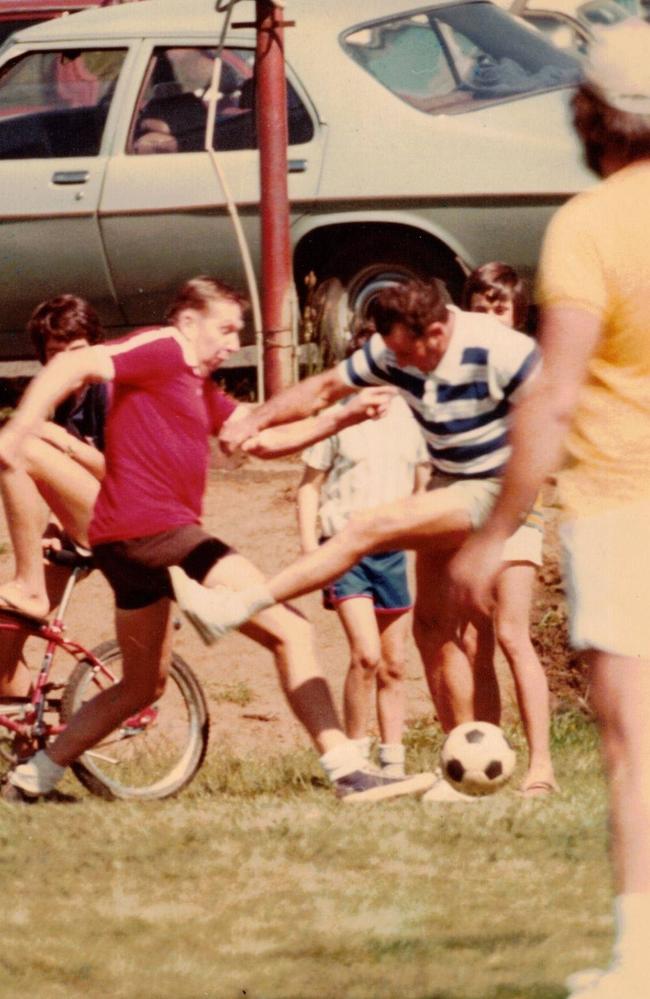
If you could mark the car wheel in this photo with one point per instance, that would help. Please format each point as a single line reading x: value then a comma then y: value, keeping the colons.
x: 335, y: 306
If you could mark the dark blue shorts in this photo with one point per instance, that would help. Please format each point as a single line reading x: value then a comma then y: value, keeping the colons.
x: 380, y: 577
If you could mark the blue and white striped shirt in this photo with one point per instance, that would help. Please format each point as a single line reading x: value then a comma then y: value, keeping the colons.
x: 462, y: 405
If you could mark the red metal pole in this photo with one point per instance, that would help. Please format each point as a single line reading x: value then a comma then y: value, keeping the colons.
x: 277, y: 278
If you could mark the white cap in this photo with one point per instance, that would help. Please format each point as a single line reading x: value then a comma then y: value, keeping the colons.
x: 618, y: 66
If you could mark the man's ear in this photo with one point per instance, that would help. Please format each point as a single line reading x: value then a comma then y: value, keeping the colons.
x: 435, y: 331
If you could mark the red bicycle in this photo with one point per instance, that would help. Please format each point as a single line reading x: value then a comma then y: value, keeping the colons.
x: 153, y: 754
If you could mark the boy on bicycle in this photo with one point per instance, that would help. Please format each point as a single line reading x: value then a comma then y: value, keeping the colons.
x: 60, y: 473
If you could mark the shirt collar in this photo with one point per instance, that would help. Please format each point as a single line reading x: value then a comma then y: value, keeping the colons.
x: 448, y: 364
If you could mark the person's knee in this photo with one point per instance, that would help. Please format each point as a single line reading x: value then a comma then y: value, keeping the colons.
x: 511, y: 634
x: 290, y: 631
x: 365, y: 661
x: 391, y: 671
x: 428, y: 627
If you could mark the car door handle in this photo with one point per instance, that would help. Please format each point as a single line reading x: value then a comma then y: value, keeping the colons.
x: 70, y: 176
x: 297, y: 166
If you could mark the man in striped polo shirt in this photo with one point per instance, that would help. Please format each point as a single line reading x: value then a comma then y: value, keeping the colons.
x: 460, y: 373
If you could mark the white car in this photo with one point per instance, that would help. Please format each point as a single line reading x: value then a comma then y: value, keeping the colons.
x: 422, y: 140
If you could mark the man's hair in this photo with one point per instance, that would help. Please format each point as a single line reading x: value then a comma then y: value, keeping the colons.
x: 63, y: 319
x: 603, y: 128
x: 415, y: 304
x: 498, y: 283
x: 199, y: 293
x: 360, y: 333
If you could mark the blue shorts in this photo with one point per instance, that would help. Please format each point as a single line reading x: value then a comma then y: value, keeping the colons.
x: 380, y: 577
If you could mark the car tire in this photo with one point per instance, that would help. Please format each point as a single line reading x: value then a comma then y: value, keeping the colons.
x: 336, y: 305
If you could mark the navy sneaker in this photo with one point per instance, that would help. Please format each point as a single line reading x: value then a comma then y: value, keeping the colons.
x: 369, y: 785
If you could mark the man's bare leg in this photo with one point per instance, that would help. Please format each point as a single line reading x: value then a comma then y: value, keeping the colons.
x: 621, y: 699
x: 459, y: 668
x: 422, y: 519
x: 288, y: 636
x: 145, y: 640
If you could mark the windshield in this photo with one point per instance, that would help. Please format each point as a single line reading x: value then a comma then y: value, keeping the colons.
x: 455, y: 59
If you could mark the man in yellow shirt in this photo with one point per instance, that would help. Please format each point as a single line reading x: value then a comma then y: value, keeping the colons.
x: 593, y: 398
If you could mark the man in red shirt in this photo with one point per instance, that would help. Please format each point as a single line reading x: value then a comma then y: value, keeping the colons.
x: 148, y: 517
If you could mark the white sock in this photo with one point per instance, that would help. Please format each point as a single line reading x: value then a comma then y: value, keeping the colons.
x: 38, y: 775
x: 342, y: 759
x: 363, y: 745
x: 392, y: 756
x: 632, y: 918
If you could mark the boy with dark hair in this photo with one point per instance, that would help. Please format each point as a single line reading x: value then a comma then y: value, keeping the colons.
x: 62, y: 459
x: 498, y: 289
x: 353, y: 469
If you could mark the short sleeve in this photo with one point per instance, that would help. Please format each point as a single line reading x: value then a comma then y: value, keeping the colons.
x: 570, y: 269
x: 144, y: 357
x: 514, y: 358
x: 219, y: 404
x: 366, y: 366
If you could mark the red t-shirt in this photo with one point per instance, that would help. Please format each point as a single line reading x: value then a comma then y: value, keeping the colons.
x: 157, y: 438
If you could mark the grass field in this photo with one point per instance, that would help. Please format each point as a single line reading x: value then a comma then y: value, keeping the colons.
x: 256, y: 883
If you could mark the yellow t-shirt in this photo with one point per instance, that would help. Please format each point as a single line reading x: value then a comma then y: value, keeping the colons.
x: 596, y: 256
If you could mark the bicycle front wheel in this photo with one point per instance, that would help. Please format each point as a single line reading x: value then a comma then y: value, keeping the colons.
x: 154, y: 753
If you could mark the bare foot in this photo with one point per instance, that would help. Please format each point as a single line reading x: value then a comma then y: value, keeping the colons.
x: 14, y: 598
x: 539, y: 788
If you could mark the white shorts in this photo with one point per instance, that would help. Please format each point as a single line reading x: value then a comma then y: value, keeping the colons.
x: 476, y: 497
x: 607, y: 570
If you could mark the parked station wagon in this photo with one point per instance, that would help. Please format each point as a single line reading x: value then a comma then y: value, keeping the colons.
x: 422, y: 140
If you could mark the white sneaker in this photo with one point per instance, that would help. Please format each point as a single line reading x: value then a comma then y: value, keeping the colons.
x: 443, y: 791
x: 215, y: 612
x: 614, y: 984
x: 37, y: 775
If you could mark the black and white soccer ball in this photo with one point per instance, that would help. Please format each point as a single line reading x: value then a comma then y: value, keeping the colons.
x: 476, y: 758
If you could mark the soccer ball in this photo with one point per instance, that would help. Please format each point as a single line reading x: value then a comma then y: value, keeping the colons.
x: 476, y: 758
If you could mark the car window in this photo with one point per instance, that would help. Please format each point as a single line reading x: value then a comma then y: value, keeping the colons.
x: 172, y: 111
x: 454, y: 59
x: 562, y: 31
x: 55, y: 103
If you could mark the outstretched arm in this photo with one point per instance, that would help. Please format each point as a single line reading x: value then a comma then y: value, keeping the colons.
x: 274, y: 442
x: 568, y: 339
x: 64, y: 374
x: 304, y: 399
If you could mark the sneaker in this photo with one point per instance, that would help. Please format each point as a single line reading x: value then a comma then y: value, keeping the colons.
x: 614, y: 984
x: 393, y: 769
x: 443, y: 791
x: 368, y: 785
x: 15, y: 795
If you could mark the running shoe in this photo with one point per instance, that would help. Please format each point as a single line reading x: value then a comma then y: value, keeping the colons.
x: 369, y: 785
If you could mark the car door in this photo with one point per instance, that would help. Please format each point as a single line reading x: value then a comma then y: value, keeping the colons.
x: 163, y: 211
x: 55, y: 120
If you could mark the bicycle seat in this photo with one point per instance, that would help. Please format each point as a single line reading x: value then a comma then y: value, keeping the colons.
x: 71, y: 558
